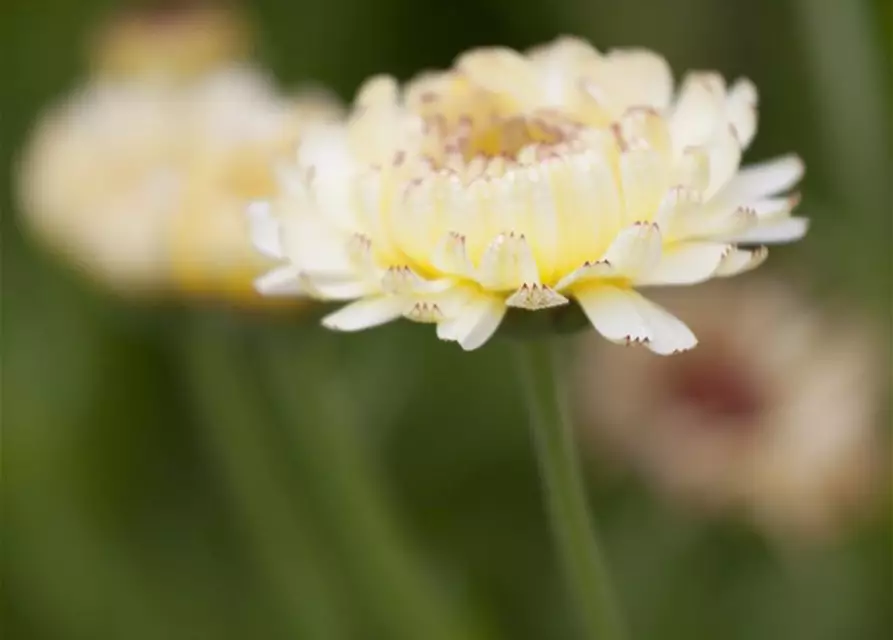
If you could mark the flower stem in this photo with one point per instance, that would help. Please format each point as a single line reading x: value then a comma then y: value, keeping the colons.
x: 584, y: 566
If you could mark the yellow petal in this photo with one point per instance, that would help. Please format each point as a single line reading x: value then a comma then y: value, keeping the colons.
x: 645, y: 178
x: 507, y: 264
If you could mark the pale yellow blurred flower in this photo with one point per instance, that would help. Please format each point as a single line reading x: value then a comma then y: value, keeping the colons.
x: 143, y: 176
x: 776, y: 415
x: 525, y: 182
x: 170, y: 40
x: 145, y: 184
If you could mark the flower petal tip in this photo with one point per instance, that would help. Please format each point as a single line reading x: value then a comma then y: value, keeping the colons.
x: 534, y: 297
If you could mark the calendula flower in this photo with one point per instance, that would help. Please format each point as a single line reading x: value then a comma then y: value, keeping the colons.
x: 775, y: 415
x: 527, y: 182
x: 142, y: 177
x: 144, y: 184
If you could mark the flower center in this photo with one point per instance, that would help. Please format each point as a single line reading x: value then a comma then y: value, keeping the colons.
x: 467, y: 127
x: 716, y: 385
x: 504, y: 137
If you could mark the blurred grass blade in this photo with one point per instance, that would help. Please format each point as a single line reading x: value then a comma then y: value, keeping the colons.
x: 846, y: 60
x: 323, y: 424
x: 233, y: 422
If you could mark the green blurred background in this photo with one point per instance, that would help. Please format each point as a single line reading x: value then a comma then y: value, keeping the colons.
x: 185, y: 472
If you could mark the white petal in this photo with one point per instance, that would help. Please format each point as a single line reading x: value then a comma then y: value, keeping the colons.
x: 315, y: 245
x: 291, y: 182
x: 424, y: 312
x: 348, y: 290
x: 774, y: 207
x: 774, y: 231
x: 377, y: 90
x: 366, y: 313
x: 764, y: 179
x: 678, y: 213
x: 358, y: 251
x: 450, y: 256
x: 281, y: 281
x: 724, y: 153
x: 401, y: 279
x: 507, y: 264
x: 588, y: 272
x: 642, y: 78
x: 556, y: 63
x: 265, y: 230
x: 740, y: 260
x: 698, y: 111
x: 501, y: 70
x: 441, y: 305
x: 475, y: 324
x: 372, y: 212
x: 635, y: 250
x: 685, y: 263
x: 691, y: 170
x: 326, y: 150
x: 741, y: 110
x: 682, y: 216
x: 624, y: 316
x: 534, y: 297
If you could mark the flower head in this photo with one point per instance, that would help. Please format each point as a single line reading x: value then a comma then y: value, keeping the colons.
x: 169, y: 40
x: 529, y: 181
x: 775, y: 415
x: 143, y: 184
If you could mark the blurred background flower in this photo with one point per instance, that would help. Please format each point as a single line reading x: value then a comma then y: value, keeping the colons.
x: 158, y: 485
x: 142, y: 177
x: 776, y: 414
x: 172, y: 40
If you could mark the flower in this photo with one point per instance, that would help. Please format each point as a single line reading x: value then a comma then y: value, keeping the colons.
x: 775, y: 415
x: 527, y: 181
x: 144, y: 185
x: 167, y: 40
x: 141, y: 178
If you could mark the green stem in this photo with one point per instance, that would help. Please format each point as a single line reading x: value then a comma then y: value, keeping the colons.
x: 404, y: 600
x: 584, y: 565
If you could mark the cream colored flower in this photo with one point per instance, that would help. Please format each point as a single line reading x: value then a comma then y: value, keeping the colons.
x: 144, y: 183
x: 169, y: 41
x: 528, y: 181
x: 775, y: 415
